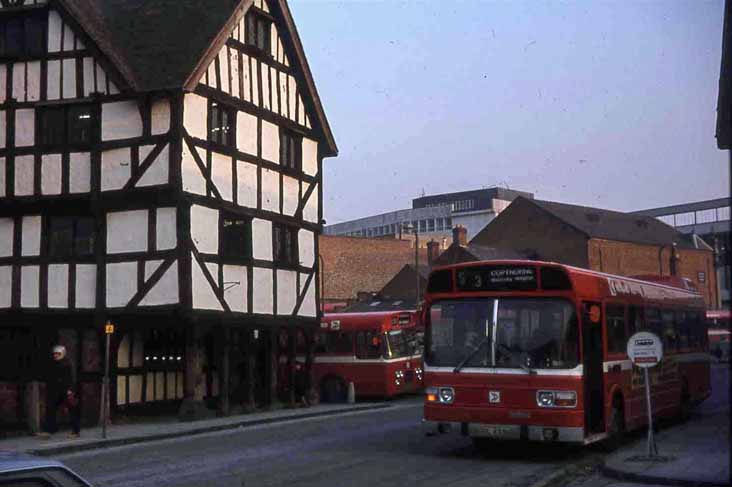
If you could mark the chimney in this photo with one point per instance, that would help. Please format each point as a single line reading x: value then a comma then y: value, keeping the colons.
x: 460, y: 236
x: 433, y: 252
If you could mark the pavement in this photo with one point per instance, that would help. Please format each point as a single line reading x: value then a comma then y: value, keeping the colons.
x: 166, y: 428
x: 696, y: 452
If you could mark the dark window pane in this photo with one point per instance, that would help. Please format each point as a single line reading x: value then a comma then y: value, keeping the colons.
x: 84, y: 237
x: 61, y: 235
x: 251, y: 30
x: 277, y: 242
x: 14, y: 37
x: 616, y: 338
x: 52, y: 126
x: 80, y: 125
x: 262, y: 34
x: 35, y: 29
x: 235, y: 238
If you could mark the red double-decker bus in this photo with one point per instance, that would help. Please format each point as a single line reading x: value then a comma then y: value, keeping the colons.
x: 380, y: 352
x: 530, y: 350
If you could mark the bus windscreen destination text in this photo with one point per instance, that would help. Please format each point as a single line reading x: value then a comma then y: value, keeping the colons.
x: 497, y: 279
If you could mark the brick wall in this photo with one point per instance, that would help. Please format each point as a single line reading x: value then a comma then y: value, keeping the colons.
x: 627, y: 259
x: 353, y: 265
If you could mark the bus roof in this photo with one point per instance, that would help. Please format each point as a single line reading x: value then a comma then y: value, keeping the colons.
x: 599, y: 282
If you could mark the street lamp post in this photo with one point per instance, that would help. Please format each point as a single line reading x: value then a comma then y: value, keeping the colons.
x: 415, y: 229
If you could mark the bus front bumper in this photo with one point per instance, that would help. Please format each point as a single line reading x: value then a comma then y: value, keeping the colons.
x: 563, y: 434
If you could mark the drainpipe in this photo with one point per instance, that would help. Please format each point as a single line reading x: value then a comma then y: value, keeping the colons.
x: 660, y: 260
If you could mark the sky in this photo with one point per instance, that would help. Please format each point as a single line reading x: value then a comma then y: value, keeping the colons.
x: 606, y: 104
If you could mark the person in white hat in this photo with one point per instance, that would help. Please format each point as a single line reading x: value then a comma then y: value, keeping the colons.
x: 60, y: 394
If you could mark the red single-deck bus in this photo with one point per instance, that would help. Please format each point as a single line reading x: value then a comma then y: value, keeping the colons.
x: 380, y: 352
x: 530, y: 350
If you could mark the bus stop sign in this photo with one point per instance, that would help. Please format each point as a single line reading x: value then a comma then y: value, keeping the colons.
x: 645, y: 349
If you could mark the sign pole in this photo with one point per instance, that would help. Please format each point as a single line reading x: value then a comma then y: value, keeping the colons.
x: 108, y: 330
x: 652, y: 450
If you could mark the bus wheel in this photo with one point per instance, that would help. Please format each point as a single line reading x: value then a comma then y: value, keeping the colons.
x: 616, y: 432
x: 334, y: 390
x: 685, y: 403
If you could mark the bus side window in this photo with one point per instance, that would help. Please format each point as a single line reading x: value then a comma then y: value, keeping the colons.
x: 615, y: 318
x: 696, y: 332
x: 321, y: 342
x: 683, y: 329
x: 652, y: 322
x: 635, y: 323
x: 368, y: 345
x: 670, y: 340
x: 340, y: 342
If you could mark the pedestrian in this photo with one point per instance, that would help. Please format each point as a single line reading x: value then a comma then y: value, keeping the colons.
x: 61, y: 394
x: 302, y: 384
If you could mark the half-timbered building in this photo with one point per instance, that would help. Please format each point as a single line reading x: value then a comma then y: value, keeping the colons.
x: 160, y: 168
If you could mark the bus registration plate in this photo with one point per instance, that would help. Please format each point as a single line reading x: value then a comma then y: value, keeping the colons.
x: 493, y: 430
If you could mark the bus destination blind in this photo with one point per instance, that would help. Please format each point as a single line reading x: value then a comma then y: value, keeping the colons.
x: 497, y: 279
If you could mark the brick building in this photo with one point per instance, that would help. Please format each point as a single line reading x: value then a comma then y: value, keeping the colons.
x: 354, y: 265
x: 601, y: 240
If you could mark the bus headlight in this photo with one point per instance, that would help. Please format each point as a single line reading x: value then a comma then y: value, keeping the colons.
x: 557, y: 399
x: 447, y: 395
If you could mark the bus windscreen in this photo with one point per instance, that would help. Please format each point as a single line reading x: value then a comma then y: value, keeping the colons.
x: 523, y: 333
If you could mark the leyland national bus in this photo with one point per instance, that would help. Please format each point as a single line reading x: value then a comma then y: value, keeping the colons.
x: 380, y: 352
x: 530, y: 350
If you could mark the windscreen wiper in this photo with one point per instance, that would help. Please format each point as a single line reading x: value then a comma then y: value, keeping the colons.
x: 522, y: 366
x: 472, y: 354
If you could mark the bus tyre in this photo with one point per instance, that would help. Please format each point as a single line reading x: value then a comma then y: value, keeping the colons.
x: 334, y: 390
x: 685, y: 403
x: 616, y: 432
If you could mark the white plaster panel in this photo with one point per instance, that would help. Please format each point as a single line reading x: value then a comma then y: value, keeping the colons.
x: 51, y: 174
x: 79, y: 172
x: 205, y: 229
x: 235, y: 74
x: 157, y: 173
x: 270, y: 142
x: 273, y: 89
x: 68, y: 38
x: 121, y: 283
x: 210, y: 76
x: 151, y: 266
x: 264, y: 70
x: 306, y: 246
x: 101, y: 78
x: 261, y: 239
x: 273, y: 42
x: 247, y: 86
x: 310, y: 213
x: 2, y: 177
x: 6, y: 286
x: 31, y: 236
x: 193, y: 180
x: 25, y: 127
x: 121, y: 120
x: 292, y: 99
x: 262, y: 286
x: 19, y: 81
x: 116, y: 168
x: 308, y: 307
x: 160, y: 116
x: 224, y: 67
x: 53, y: 79
x: 3, y: 81
x: 69, y: 78
x: 166, y: 289
x: 86, y: 285
x: 307, y: 122
x: 29, y: 286
x: 24, y: 171
x: 253, y: 63
x: 290, y: 195
x: 235, y: 287
x: 127, y: 231
x: 33, y: 92
x: 195, y: 110
x: 300, y: 110
x: 113, y: 90
x: 309, y: 156
x: 246, y: 133
x: 246, y: 180
x: 2, y: 128
x: 165, y: 230
x: 7, y: 231
x: 286, y: 291
x: 58, y: 285
x: 204, y: 296
x: 88, y: 73
x: 54, y: 31
x: 284, y: 107
x: 221, y: 174
x: 270, y: 190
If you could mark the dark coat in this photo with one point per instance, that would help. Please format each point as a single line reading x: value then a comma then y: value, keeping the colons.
x: 60, y: 378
